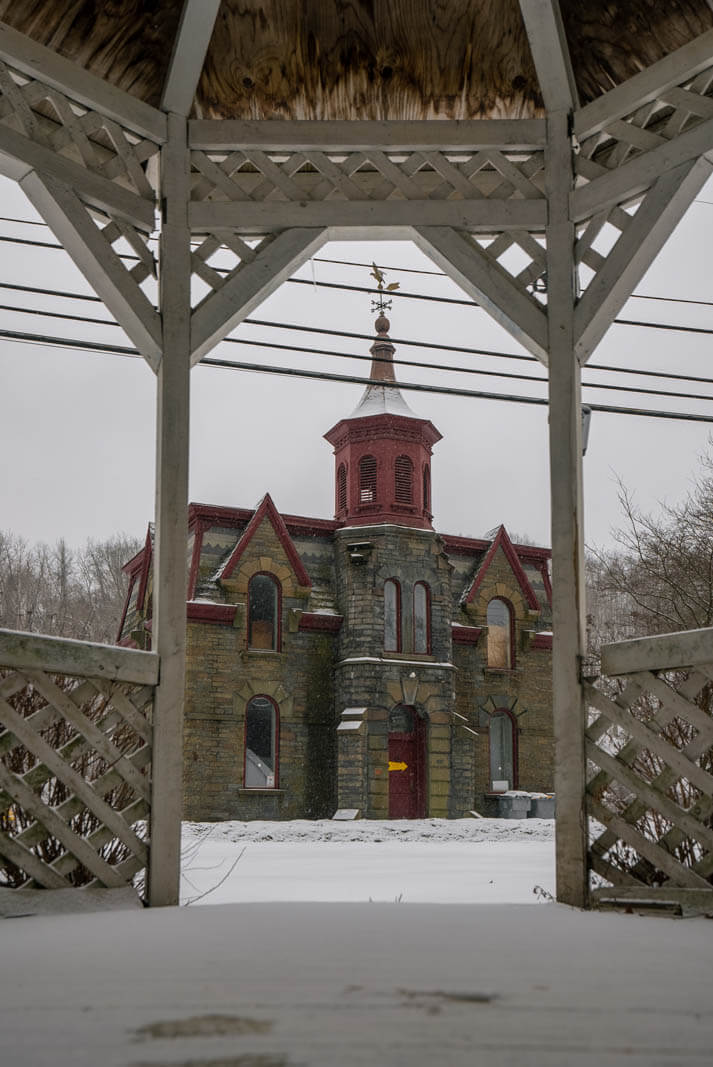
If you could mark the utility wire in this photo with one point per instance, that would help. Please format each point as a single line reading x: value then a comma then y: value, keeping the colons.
x: 400, y: 295
x: 298, y: 327
x: 124, y: 350
x: 481, y: 371
x: 400, y: 270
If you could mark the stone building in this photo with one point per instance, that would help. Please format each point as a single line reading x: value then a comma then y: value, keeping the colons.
x: 365, y: 664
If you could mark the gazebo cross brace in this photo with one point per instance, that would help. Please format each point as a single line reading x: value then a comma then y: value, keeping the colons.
x: 516, y: 212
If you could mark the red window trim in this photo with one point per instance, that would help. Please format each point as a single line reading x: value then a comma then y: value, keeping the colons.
x: 426, y: 488
x: 399, y: 643
x: 515, y: 752
x: 278, y: 637
x: 371, y: 482
x: 262, y: 788
x: 427, y: 651
x: 342, y: 488
x: 511, y: 614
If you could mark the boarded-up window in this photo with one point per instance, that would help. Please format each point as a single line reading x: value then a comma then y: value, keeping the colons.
x: 502, y: 752
x: 421, y: 618
x: 341, y: 488
x: 261, y: 744
x: 392, y: 616
x: 403, y: 474
x: 426, y: 488
x: 263, y: 612
x: 499, y: 634
x: 367, y: 479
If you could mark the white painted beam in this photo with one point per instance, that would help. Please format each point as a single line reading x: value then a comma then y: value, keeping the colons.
x: 70, y: 221
x: 664, y: 652
x: 189, y: 51
x: 550, y: 53
x: 454, y: 135
x: 170, y: 573
x: 483, y: 216
x: 224, y: 309
x: 486, y: 282
x: 96, y: 190
x: 568, y: 585
x: 24, y: 651
x: 633, y: 178
x: 654, y: 222
x: 48, y: 67
x: 673, y: 69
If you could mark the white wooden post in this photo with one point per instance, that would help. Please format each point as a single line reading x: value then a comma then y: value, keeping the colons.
x: 568, y: 590
x: 170, y: 573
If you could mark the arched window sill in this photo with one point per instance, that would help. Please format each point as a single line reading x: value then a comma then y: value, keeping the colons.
x: 259, y: 791
x: 424, y: 657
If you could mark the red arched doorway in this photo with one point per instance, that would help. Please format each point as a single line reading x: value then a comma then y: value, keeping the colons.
x: 407, y: 764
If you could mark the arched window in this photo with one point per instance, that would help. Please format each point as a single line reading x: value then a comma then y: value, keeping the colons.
x: 421, y: 617
x: 392, y: 616
x: 341, y: 488
x: 503, y: 751
x: 261, y: 740
x: 426, y: 488
x: 403, y: 478
x: 500, y: 650
x: 367, y: 480
x: 264, y: 613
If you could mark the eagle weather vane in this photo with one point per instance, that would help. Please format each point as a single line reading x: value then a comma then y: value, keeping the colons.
x: 380, y: 303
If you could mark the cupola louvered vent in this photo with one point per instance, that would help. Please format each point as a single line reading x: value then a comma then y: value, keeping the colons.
x: 341, y: 489
x: 403, y: 473
x: 367, y: 480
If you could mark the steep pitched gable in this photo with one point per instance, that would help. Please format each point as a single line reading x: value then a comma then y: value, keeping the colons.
x: 266, y: 511
x: 502, y: 541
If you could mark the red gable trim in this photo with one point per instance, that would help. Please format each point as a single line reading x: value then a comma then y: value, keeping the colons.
x: 202, y: 611
x: 466, y: 635
x: 313, y: 620
x: 148, y: 553
x: 198, y: 530
x: 267, y: 509
x: 543, y: 641
x: 297, y: 525
x: 503, y: 541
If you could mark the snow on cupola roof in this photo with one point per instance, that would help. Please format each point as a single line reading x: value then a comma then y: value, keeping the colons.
x: 384, y: 398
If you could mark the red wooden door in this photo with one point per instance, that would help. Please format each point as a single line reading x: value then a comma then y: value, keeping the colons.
x: 406, y: 771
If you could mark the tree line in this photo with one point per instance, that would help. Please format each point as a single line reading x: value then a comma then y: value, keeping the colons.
x: 55, y: 589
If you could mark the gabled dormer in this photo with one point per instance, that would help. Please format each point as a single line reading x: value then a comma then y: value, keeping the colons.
x: 382, y: 451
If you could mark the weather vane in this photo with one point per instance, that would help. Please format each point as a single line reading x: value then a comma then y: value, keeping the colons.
x: 381, y: 303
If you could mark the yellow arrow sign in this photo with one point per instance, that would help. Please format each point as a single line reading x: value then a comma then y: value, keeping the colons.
x: 397, y: 766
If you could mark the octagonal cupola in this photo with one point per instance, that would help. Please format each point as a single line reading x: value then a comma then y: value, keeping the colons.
x: 382, y: 451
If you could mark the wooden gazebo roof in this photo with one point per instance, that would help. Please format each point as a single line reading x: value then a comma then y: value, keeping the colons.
x: 406, y: 59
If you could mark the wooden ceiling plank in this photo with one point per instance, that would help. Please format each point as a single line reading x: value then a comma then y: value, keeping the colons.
x: 357, y: 135
x: 634, y: 252
x: 45, y: 65
x: 71, y: 223
x: 221, y: 311
x: 550, y: 53
x: 673, y: 70
x: 480, y: 277
x: 189, y: 51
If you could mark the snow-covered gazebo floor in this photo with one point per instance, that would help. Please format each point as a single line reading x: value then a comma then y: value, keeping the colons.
x: 282, y: 985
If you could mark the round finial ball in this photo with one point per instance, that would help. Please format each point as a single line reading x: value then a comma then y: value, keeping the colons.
x: 382, y: 324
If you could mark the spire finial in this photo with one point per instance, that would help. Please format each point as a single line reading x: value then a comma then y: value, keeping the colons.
x: 381, y: 303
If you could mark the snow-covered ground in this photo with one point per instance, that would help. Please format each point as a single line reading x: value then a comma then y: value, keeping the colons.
x: 455, y: 861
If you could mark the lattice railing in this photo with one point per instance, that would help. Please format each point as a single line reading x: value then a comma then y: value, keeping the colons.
x: 649, y: 748
x: 650, y: 126
x: 280, y: 175
x: 75, y: 755
x: 93, y: 141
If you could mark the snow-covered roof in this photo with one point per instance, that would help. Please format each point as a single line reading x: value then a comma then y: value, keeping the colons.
x: 381, y: 400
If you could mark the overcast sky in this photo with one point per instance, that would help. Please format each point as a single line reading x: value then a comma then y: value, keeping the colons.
x: 78, y: 429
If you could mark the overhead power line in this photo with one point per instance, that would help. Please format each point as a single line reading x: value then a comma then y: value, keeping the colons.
x: 351, y: 334
x: 403, y: 295
x: 125, y: 350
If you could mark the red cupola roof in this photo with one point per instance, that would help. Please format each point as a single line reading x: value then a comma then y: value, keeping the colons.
x: 382, y: 451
